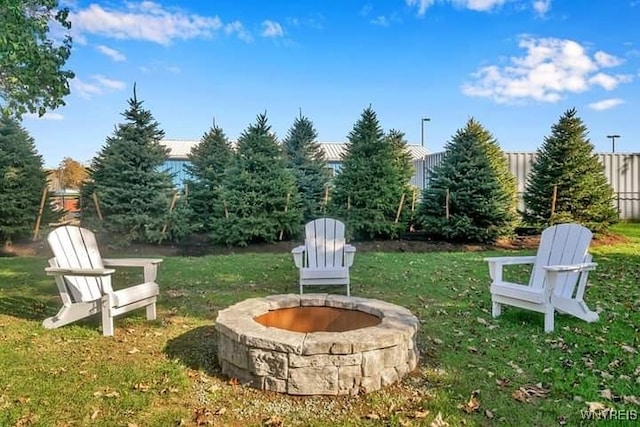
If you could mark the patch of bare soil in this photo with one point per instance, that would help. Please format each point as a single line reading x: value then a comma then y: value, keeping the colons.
x: 199, y: 246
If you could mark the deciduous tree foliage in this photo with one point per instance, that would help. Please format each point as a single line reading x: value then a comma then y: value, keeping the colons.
x: 209, y: 160
x: 306, y: 159
x: 481, y: 202
x: 133, y: 190
x: 22, y: 181
x: 71, y: 173
x: 32, y: 74
x: 375, y: 174
x: 259, y: 193
x: 567, y: 160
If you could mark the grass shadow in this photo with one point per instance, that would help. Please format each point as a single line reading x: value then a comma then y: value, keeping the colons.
x: 197, y: 349
x: 26, y: 308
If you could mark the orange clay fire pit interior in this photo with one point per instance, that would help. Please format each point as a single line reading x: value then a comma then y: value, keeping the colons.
x: 317, y: 319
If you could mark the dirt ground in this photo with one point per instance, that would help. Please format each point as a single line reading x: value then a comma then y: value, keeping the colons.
x: 198, y: 246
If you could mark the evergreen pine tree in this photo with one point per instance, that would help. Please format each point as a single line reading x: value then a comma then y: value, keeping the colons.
x: 566, y: 160
x: 480, y: 191
x: 375, y: 174
x: 209, y: 160
x: 259, y: 194
x: 133, y: 190
x: 22, y: 181
x: 306, y: 158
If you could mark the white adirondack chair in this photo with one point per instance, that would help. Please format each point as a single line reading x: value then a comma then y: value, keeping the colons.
x: 558, y: 278
x: 325, y: 258
x: 83, y: 278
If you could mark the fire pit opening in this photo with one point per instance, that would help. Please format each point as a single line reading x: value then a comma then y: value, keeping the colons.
x: 318, y: 319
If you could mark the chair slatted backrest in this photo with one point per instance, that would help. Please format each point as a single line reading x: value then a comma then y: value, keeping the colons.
x: 563, y: 244
x: 324, y: 241
x: 75, y: 247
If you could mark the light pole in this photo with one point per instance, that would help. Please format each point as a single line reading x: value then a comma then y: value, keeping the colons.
x: 613, y: 142
x: 424, y: 119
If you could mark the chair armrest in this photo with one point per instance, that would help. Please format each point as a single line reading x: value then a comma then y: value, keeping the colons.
x: 298, y: 253
x: 150, y: 265
x: 587, y: 266
x: 130, y: 262
x: 512, y: 260
x: 349, y: 252
x: 94, y: 272
x: 496, y: 264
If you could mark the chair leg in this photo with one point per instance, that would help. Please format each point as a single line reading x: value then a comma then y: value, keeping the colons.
x: 496, y: 309
x: 151, y: 311
x: 549, y: 319
x: 107, y: 319
x: 71, y: 313
x: 107, y: 324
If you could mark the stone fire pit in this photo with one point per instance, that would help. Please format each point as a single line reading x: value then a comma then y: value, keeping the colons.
x: 316, y: 343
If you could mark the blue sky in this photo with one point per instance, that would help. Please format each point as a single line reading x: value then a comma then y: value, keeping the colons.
x: 515, y: 65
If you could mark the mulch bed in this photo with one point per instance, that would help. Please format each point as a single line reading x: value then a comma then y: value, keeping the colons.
x: 198, y: 246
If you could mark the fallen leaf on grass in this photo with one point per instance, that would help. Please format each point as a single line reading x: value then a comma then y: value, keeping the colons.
x: 595, y: 406
x: 141, y: 387
x: 488, y: 414
x: 439, y: 421
x: 272, y: 421
x: 631, y: 399
x: 133, y: 351
x: 473, y: 404
x: 606, y: 394
x: 95, y: 414
x: 372, y: 416
x: 420, y: 414
x: 481, y: 321
x: 629, y: 349
x: 503, y: 382
x: 221, y: 411
x: 529, y: 391
x: 201, y: 417
x: 26, y: 420
x: 472, y: 349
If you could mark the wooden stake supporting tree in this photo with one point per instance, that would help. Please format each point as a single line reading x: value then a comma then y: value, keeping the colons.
x: 414, y: 199
x: 399, y: 208
x: 36, y: 229
x: 172, y: 206
x: 446, y: 203
x: 286, y: 208
x: 554, y: 197
x: 97, y: 204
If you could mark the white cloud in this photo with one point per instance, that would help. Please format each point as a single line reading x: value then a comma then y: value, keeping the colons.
x: 541, y: 6
x: 98, y: 85
x: 605, y: 60
x: 108, y: 83
x: 111, y: 53
x: 47, y: 116
x: 381, y: 21
x: 606, y: 104
x: 144, y: 21
x: 236, y: 27
x: 550, y: 69
x: 272, y: 29
x: 476, y: 5
x: 422, y: 5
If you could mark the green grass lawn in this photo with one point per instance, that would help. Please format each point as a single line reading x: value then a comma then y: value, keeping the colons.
x: 164, y: 373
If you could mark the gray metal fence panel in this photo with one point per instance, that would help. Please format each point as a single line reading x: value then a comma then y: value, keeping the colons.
x: 621, y: 169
